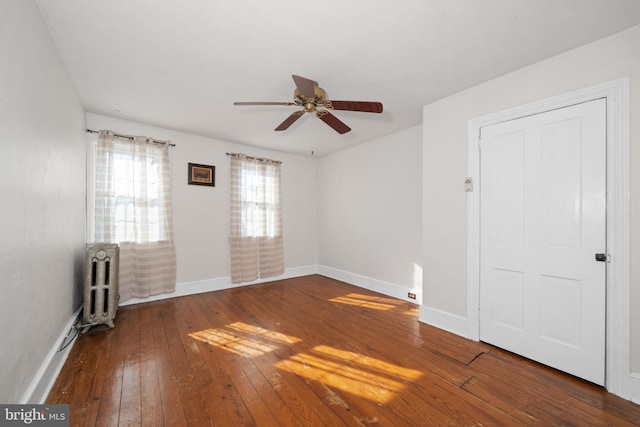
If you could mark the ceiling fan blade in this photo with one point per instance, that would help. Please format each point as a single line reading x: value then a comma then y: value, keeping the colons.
x: 337, y: 124
x: 306, y: 87
x: 364, y: 106
x: 264, y: 103
x: 290, y: 120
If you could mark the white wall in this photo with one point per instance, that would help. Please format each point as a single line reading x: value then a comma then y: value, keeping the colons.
x: 445, y: 160
x: 370, y: 214
x: 42, y: 192
x: 201, y: 214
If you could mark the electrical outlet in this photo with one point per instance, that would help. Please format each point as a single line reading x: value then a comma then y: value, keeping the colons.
x: 412, y: 295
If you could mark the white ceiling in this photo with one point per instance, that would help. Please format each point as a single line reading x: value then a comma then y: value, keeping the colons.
x: 181, y: 64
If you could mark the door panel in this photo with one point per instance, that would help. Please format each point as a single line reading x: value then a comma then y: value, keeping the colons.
x: 561, y: 172
x: 510, y: 286
x: 542, y: 216
x: 507, y: 179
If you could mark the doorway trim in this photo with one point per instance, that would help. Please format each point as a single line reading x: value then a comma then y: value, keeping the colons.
x: 617, y: 95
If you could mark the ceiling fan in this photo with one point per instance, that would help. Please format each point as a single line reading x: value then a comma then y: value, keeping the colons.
x: 310, y: 97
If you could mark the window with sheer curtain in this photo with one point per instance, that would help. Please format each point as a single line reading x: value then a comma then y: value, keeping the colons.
x: 132, y: 207
x: 256, y: 242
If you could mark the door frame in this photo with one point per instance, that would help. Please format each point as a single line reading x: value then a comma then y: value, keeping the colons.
x: 617, y: 95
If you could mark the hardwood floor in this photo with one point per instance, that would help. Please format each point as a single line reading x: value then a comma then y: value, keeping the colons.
x: 310, y: 351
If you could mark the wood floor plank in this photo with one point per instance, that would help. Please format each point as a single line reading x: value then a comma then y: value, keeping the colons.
x: 152, y: 408
x: 192, y: 405
x: 310, y: 351
x: 82, y: 385
x: 168, y: 384
x: 102, y: 352
x: 110, y: 397
x: 130, y: 398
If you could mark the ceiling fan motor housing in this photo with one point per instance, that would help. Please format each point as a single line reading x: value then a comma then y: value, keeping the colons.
x: 310, y: 104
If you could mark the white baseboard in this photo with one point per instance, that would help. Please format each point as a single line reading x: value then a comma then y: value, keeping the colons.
x: 634, y: 380
x: 46, y: 376
x: 218, y: 284
x: 444, y: 320
x: 386, y: 288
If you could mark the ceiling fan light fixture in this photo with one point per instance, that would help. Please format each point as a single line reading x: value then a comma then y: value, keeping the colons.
x: 309, y: 96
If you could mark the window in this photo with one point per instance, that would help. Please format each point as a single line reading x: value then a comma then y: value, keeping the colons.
x: 129, y: 203
x: 136, y: 194
x: 259, y: 202
x: 128, y: 194
x: 256, y: 226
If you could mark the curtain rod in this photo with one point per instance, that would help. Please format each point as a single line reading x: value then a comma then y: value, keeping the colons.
x: 262, y: 159
x: 131, y: 138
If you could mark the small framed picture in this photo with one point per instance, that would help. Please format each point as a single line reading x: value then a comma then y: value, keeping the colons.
x: 202, y: 175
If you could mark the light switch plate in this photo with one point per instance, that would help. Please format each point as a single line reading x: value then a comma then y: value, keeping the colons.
x: 468, y: 184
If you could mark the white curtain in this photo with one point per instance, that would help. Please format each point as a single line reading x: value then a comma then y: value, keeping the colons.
x: 255, y: 239
x: 133, y: 208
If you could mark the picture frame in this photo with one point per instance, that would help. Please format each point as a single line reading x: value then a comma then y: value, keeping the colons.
x: 202, y: 175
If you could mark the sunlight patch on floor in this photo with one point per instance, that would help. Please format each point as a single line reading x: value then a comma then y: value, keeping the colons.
x: 266, y: 333
x: 244, y: 339
x: 413, y: 312
x: 367, y: 301
x: 350, y: 372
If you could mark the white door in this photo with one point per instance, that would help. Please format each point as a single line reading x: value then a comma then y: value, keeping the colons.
x: 542, y: 221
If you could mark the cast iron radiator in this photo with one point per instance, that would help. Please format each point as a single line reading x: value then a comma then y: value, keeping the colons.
x: 101, y: 285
